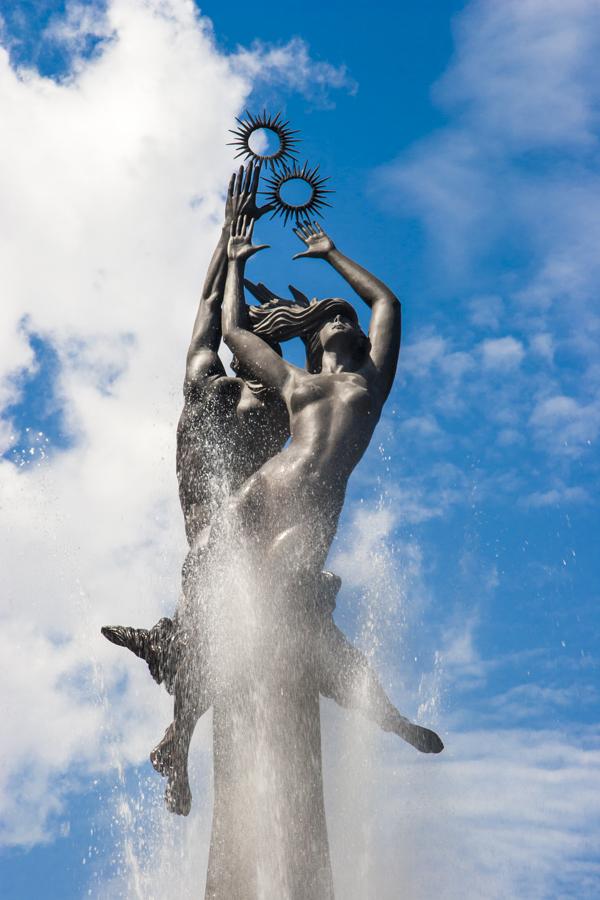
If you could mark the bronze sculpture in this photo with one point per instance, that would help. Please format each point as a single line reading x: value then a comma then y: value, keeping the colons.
x: 256, y: 505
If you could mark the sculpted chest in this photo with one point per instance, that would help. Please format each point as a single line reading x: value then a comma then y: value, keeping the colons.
x: 349, y: 390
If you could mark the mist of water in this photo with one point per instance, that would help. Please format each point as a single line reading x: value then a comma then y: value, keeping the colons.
x: 158, y: 855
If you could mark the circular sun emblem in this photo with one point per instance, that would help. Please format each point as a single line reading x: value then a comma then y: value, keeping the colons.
x: 312, y: 205
x: 277, y: 129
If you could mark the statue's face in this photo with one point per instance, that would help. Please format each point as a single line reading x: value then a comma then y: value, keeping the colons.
x: 341, y: 332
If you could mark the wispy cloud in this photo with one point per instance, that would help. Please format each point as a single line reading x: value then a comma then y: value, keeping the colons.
x: 507, y: 192
x: 506, y: 813
x: 291, y: 66
x: 502, y: 353
x: 509, y: 808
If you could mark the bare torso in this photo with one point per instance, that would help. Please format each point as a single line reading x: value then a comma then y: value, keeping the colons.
x: 292, y: 504
x: 332, y: 417
x: 296, y: 497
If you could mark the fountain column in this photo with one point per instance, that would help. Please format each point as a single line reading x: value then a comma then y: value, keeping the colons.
x: 269, y: 838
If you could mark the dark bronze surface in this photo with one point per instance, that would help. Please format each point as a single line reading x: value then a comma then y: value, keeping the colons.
x: 254, y: 635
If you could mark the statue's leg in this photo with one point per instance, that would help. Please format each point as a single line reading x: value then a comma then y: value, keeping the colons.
x: 193, y: 697
x: 160, y: 646
x: 347, y: 677
x: 170, y: 759
x: 156, y: 646
x: 170, y: 756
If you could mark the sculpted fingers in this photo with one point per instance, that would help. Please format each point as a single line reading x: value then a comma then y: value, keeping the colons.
x: 240, y: 180
x: 248, y: 172
x: 302, y: 231
x: 255, y: 177
x: 231, y: 187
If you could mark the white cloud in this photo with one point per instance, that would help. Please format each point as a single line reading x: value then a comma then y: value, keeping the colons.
x: 420, y: 355
x: 502, y: 813
x: 522, y: 80
x: 502, y: 353
x: 486, y: 312
x: 566, y: 424
x: 79, y: 22
x: 456, y: 364
x: 542, y: 344
x: 507, y: 437
x: 111, y: 186
x: 525, y: 71
x: 528, y: 703
x: 425, y: 426
x: 290, y: 65
x: 556, y: 496
x: 508, y: 192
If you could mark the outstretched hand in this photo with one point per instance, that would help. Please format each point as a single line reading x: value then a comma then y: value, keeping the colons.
x: 317, y: 242
x: 241, y: 194
x: 240, y: 244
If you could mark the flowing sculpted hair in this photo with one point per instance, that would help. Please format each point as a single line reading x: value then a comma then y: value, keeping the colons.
x: 282, y: 321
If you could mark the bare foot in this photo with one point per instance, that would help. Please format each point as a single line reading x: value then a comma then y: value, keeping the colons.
x: 163, y: 755
x: 170, y: 761
x: 178, y: 796
x: 423, y: 739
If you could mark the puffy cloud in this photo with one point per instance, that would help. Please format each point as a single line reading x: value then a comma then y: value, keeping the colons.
x: 565, y: 423
x: 486, y: 312
x: 508, y: 191
x: 111, y: 180
x: 502, y: 353
x: 423, y: 353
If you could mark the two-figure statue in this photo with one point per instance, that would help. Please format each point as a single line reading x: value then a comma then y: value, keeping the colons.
x: 263, y: 461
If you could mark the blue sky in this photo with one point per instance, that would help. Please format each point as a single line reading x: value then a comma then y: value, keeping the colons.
x: 462, y: 141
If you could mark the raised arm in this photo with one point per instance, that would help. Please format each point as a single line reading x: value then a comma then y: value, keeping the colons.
x: 252, y: 352
x: 385, y: 325
x: 202, y: 357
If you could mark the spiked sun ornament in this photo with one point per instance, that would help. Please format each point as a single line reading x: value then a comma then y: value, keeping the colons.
x: 297, y: 211
x: 275, y: 124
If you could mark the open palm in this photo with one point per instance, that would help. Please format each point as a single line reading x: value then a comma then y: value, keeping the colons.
x: 317, y: 242
x: 240, y: 244
x: 241, y: 194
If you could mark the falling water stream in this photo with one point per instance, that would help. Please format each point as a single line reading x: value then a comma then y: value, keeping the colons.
x: 158, y: 855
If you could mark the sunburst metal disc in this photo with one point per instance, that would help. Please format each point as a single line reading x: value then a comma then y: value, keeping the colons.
x: 275, y: 124
x: 297, y: 211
